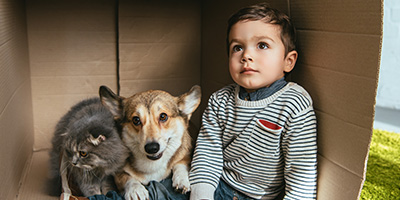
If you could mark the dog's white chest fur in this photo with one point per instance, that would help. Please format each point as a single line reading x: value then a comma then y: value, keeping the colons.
x: 153, y: 170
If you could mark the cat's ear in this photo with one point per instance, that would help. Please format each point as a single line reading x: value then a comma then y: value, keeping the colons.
x: 96, y: 141
x: 111, y: 101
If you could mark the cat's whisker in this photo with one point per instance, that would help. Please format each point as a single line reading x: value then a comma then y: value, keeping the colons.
x: 84, y: 174
x: 64, y: 167
x: 69, y: 174
x: 94, y: 174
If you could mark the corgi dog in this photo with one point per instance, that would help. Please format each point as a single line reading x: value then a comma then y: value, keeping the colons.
x: 154, y: 127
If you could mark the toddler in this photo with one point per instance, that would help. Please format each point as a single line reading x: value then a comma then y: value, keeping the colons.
x: 258, y: 138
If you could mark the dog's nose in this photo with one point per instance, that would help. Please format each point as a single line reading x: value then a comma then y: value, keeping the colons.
x: 152, y: 147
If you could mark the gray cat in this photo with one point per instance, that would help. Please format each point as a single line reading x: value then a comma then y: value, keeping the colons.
x: 88, y: 150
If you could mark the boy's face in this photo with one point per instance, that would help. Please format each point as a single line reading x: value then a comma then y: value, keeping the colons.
x: 257, y: 54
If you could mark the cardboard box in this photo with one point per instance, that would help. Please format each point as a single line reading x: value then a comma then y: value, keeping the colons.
x: 55, y: 53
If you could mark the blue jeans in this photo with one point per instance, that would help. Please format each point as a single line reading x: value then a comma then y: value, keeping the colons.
x: 157, y: 191
x: 164, y: 191
x: 226, y: 192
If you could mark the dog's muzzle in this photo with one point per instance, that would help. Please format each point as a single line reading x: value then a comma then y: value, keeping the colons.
x: 153, y: 148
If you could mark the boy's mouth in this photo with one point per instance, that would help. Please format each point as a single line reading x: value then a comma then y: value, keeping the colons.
x: 248, y: 71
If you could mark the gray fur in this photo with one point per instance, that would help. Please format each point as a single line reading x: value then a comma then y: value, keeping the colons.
x: 88, y: 127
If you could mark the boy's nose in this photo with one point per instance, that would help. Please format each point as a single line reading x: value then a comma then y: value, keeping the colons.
x: 247, y: 58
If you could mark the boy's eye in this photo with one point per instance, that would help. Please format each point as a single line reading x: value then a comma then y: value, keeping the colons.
x: 236, y: 48
x: 262, y: 45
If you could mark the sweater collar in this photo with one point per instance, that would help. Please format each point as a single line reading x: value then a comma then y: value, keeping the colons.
x: 262, y: 93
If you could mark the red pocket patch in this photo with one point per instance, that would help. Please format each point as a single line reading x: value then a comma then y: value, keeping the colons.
x: 269, y: 125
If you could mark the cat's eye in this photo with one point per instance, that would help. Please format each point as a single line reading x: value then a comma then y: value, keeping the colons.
x: 136, y: 121
x: 163, y: 117
x: 83, y: 154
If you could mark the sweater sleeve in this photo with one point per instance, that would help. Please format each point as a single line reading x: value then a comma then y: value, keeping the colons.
x: 207, y: 161
x: 300, y: 148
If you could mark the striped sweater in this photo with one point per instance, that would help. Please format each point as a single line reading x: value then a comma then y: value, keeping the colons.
x: 257, y: 147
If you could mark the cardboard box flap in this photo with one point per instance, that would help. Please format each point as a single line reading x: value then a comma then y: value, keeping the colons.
x: 336, y: 178
x: 339, y: 54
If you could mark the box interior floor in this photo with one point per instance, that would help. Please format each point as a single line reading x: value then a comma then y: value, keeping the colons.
x: 56, y: 53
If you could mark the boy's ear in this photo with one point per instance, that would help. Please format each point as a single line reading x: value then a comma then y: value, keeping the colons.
x: 290, y: 61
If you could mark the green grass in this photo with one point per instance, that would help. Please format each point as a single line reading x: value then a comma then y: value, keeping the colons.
x: 383, y: 169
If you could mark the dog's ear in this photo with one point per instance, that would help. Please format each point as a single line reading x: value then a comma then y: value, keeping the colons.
x: 189, y: 101
x: 111, y: 101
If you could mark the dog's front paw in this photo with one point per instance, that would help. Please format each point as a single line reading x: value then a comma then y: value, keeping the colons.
x: 180, y: 181
x: 135, y: 191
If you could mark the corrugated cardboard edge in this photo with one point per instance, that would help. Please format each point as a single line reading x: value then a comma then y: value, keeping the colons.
x: 376, y: 90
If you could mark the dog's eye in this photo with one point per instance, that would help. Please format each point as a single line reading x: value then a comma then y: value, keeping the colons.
x: 136, y: 121
x: 83, y: 154
x: 163, y: 117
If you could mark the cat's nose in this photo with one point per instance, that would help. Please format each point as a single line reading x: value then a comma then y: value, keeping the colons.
x: 152, y: 147
x: 74, y: 161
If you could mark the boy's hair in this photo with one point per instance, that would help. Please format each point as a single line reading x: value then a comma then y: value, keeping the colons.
x: 265, y: 13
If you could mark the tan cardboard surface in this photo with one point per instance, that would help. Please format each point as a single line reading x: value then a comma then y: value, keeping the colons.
x: 339, y: 55
x: 160, y: 43
x: 34, y: 187
x: 159, y: 46
x: 16, y: 123
x: 338, y: 17
x: 72, y: 46
x: 342, y: 184
x: 16, y: 131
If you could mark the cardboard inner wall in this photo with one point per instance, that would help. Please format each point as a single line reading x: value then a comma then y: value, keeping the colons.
x: 159, y: 44
x: 16, y: 123
x: 76, y: 46
x: 338, y: 64
x: 72, y: 48
x: 159, y: 47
